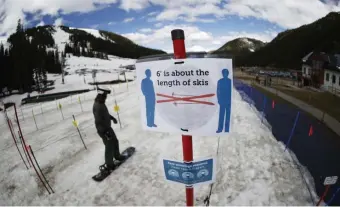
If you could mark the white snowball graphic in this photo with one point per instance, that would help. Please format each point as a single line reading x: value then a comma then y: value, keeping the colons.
x: 183, y: 114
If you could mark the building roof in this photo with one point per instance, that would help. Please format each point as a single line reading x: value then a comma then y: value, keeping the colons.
x: 334, y: 64
x: 304, y: 59
x: 333, y: 70
x: 315, y: 56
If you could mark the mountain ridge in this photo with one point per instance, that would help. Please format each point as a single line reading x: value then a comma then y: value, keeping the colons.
x: 100, y: 40
x: 288, y: 48
x: 240, y: 46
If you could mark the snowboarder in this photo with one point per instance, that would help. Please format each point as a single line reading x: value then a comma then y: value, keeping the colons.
x: 103, y: 125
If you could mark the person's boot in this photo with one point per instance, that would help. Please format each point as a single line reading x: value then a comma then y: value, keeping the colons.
x: 106, y: 168
x: 120, y: 158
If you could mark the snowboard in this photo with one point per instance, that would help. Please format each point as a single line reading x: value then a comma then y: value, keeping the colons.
x: 128, y: 152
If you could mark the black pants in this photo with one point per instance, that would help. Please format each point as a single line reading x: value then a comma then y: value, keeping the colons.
x: 111, y: 146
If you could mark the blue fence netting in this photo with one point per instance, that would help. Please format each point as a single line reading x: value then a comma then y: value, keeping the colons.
x: 319, y: 152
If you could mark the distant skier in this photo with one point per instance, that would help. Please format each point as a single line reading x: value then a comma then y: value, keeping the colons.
x: 103, y: 125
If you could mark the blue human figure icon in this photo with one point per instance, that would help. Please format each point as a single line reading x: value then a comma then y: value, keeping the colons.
x: 224, y: 100
x: 150, y: 98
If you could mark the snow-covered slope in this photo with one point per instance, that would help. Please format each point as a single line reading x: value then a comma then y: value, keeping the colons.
x: 102, y: 41
x: 252, y: 167
x: 80, y: 74
x: 3, y: 40
x: 61, y: 38
x: 94, y: 32
x: 241, y: 45
x: 75, y: 63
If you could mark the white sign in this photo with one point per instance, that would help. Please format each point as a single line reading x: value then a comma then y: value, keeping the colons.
x: 330, y: 180
x: 187, y: 96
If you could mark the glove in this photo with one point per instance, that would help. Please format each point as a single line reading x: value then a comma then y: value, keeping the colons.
x: 113, y: 119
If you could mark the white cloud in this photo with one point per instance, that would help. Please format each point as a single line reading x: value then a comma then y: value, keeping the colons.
x: 196, y: 48
x: 152, y: 13
x: 94, y: 26
x: 158, y: 24
x: 41, y: 23
x: 145, y: 30
x: 12, y: 10
x: 285, y: 13
x: 58, y: 21
x: 195, y: 38
x: 128, y: 5
x: 126, y: 20
x: 112, y: 23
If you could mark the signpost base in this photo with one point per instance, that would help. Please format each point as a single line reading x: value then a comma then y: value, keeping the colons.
x: 189, y: 190
x: 188, y: 157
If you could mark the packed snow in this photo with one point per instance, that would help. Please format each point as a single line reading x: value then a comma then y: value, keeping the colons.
x: 252, y: 167
x: 93, y: 32
x: 3, y: 40
x: 246, y: 41
x: 60, y: 38
x: 75, y: 63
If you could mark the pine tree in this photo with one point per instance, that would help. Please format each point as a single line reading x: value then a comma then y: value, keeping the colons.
x: 90, y: 53
x: 2, y: 68
x: 58, y: 62
x: 21, y: 72
x: 2, y: 50
x: 82, y: 51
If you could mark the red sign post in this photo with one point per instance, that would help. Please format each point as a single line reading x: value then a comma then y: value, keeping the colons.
x: 177, y: 36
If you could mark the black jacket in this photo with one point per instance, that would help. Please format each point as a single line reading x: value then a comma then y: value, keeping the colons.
x: 101, y: 115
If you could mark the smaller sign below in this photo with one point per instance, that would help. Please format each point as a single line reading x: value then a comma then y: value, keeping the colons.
x: 196, y: 172
x: 330, y: 180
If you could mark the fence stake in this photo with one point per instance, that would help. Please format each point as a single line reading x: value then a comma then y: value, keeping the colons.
x: 34, y: 120
x: 293, y: 129
x: 61, y: 110
x: 81, y: 106
x: 127, y: 83
x: 13, y: 136
x: 323, y: 117
x: 41, y: 109
x: 22, y: 113
x: 25, y: 150
x: 118, y: 114
x: 21, y: 135
x: 36, y: 171
x: 40, y: 168
x: 76, y: 125
x: 264, y: 108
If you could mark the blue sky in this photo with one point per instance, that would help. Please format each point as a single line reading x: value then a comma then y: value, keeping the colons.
x: 208, y: 24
